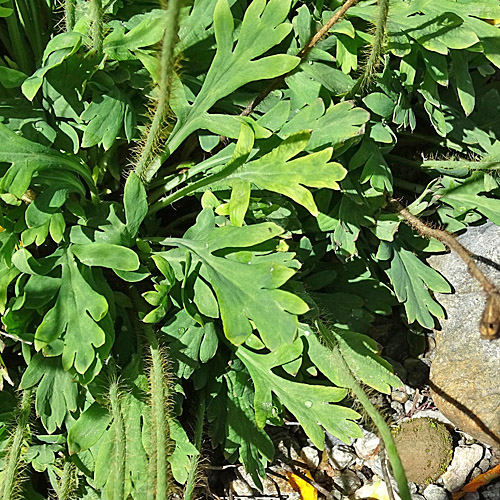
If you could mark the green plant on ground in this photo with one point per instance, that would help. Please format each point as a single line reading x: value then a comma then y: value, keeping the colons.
x: 188, y: 188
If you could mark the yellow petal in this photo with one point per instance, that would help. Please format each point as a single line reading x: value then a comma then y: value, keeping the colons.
x: 307, y: 491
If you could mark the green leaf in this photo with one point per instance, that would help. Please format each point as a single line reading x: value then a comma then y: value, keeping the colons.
x: 28, y: 159
x: 245, y: 290
x: 463, y: 81
x: 277, y: 172
x: 135, y: 203
x: 243, y: 435
x: 465, y: 196
x: 412, y: 280
x: 360, y: 353
x: 149, y: 31
x: 334, y: 127
x: 56, y: 394
x: 88, y: 429
x: 106, y: 255
x: 262, y: 28
x: 180, y: 459
x: 71, y: 327
x: 379, y: 103
x: 106, y: 117
x: 57, y: 50
x: 311, y: 404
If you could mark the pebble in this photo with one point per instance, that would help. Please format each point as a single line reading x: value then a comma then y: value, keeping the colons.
x: 348, y: 482
x: 492, y: 492
x: 399, y: 396
x: 310, y: 456
x: 376, y: 489
x: 341, y: 457
x: 368, y: 446
x: 434, y: 492
x: 464, y: 460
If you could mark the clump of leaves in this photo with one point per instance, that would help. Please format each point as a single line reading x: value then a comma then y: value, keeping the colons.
x: 206, y: 179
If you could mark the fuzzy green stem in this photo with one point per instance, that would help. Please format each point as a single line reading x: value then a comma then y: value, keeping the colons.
x: 146, y: 169
x: 371, y: 410
x: 198, y: 434
x: 69, y: 8
x: 159, y: 471
x: 11, y: 478
x: 97, y: 24
x: 67, y: 482
x: 117, y: 467
x: 377, y: 48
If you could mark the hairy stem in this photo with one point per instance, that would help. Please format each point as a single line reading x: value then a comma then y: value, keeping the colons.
x: 489, y: 325
x: 12, y: 478
x: 97, y: 24
x: 385, y: 433
x: 377, y: 47
x: 69, y: 9
x: 159, y: 471
x: 117, y: 467
x: 448, y: 239
x: 198, y: 434
x: 144, y: 169
x: 67, y: 482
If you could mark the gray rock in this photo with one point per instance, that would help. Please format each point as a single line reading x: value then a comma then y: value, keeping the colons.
x: 417, y: 496
x: 464, y: 373
x: 341, y: 457
x: 434, y: 492
x: 348, y: 482
x: 368, y: 446
x: 464, y: 460
x: 474, y: 496
x: 310, y: 456
x: 492, y: 492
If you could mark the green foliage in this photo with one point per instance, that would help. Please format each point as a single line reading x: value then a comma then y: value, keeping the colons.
x: 195, y: 281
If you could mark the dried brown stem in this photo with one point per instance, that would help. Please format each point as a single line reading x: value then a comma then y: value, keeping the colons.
x: 490, y: 321
x: 276, y: 82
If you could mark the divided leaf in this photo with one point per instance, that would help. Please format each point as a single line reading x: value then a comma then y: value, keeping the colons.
x: 412, y: 281
x: 71, y: 327
x: 311, y: 404
x: 262, y: 28
x: 246, y: 290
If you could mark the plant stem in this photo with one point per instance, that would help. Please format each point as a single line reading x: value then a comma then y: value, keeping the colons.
x: 276, y: 82
x: 159, y: 472
x: 198, y: 434
x: 489, y: 325
x: 371, y: 410
x: 11, y: 478
x: 377, y: 47
x: 118, y: 466
x: 66, y: 484
x: 97, y: 24
x: 448, y: 239
x: 69, y: 8
x: 144, y: 168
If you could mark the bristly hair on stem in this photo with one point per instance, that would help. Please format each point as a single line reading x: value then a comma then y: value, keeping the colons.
x: 69, y: 14
x: 143, y: 168
x: 159, y: 473
x: 96, y: 15
x: 376, y: 51
x: 12, y: 477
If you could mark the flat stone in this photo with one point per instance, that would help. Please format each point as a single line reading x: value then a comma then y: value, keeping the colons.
x: 341, y: 457
x: 434, y: 492
x: 464, y: 460
x: 367, y: 447
x: 464, y: 372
